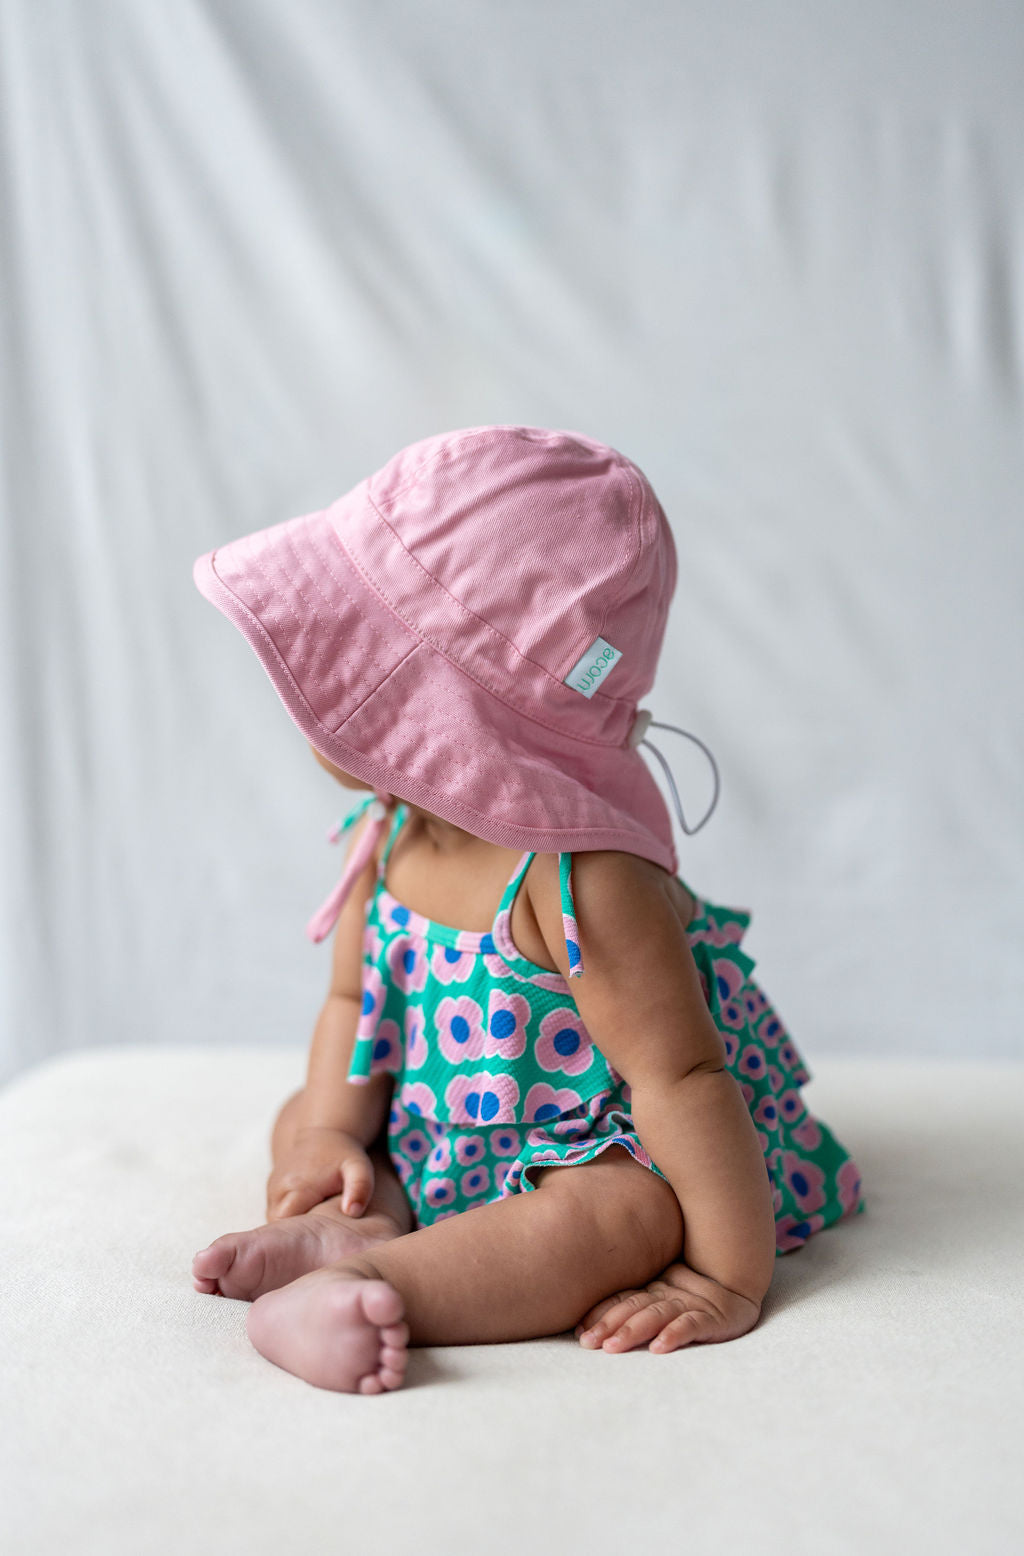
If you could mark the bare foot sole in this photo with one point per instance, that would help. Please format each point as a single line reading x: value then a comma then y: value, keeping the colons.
x: 248, y: 1264
x: 335, y: 1328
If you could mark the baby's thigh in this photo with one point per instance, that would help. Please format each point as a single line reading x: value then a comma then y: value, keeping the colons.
x: 630, y: 1207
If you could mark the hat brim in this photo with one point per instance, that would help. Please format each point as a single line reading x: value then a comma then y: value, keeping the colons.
x: 383, y: 704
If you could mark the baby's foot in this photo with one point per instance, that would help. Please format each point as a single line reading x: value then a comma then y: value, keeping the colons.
x: 337, y: 1328
x: 248, y: 1264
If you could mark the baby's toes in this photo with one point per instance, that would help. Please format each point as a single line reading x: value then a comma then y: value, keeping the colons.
x: 210, y: 1265
x: 381, y: 1303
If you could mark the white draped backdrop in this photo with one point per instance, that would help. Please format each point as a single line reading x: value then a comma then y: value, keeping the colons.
x: 773, y: 252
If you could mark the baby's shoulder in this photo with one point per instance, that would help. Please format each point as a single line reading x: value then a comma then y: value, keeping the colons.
x: 620, y: 891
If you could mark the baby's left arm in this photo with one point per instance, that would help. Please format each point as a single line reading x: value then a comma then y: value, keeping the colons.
x: 641, y: 1000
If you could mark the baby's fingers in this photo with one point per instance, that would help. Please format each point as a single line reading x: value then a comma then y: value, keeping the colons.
x: 609, y: 1316
x: 358, y: 1177
x: 638, y: 1327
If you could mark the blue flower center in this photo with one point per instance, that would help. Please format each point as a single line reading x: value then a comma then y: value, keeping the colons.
x: 566, y: 1041
x: 459, y: 1028
x: 503, y: 1024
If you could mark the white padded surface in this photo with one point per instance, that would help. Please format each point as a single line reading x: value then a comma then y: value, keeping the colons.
x: 877, y: 1406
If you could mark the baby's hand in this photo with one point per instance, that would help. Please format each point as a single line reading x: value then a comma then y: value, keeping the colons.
x: 679, y: 1308
x: 319, y: 1164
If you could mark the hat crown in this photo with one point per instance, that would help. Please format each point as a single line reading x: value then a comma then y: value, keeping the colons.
x: 551, y: 538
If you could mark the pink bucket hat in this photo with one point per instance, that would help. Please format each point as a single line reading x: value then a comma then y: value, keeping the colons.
x: 471, y: 629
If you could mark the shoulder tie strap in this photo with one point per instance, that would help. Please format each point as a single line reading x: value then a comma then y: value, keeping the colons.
x: 326, y: 916
x: 572, y: 934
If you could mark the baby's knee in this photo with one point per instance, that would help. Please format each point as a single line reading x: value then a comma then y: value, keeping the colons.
x: 627, y: 1205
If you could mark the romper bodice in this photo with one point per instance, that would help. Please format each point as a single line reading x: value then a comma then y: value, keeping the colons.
x: 476, y: 1031
x: 473, y: 1031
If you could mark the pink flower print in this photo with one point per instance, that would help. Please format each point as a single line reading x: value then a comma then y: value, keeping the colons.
x: 416, y: 1097
x: 482, y: 1098
x: 440, y: 1158
x: 459, y: 1025
x: 805, y: 1180
x: 494, y: 963
x: 770, y: 1030
x: 731, y: 1042
x: 767, y: 1113
x: 415, y: 1145
x: 507, y: 1016
x: 387, y: 1052
x: 416, y: 1050
x: 729, y: 981
x: 398, y: 1118
x: 791, y: 1106
x: 729, y: 933
x: 564, y: 1042
x: 502, y: 1171
x: 570, y: 1128
x: 445, y: 1215
x: 450, y: 965
x: 371, y: 942
x: 440, y: 1191
x: 544, y: 1102
x: 505, y: 1142
x: 762, y: 1140
x: 754, y: 1001
x: 374, y: 994
x: 747, y: 1091
x: 776, y: 1079
x: 790, y: 1060
x: 848, y: 1186
x: 807, y: 1133
x: 407, y: 962
x: 476, y: 1181
x: 791, y: 1233
x: 469, y: 1149
x: 732, y: 1012
x: 752, y: 1062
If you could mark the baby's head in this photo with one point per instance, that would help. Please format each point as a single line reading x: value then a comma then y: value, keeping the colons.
x: 472, y: 628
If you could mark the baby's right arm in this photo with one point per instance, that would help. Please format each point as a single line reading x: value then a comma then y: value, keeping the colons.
x: 336, y: 1121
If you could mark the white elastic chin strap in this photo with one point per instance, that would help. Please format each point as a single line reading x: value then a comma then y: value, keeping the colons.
x: 644, y: 721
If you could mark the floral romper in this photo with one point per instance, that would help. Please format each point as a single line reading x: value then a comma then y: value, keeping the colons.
x: 496, y: 1075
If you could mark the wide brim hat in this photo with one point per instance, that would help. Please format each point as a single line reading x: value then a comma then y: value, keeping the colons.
x: 471, y: 629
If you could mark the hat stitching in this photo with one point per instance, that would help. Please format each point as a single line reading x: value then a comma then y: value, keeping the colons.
x: 385, y: 669
x: 622, y: 702
x: 636, y: 480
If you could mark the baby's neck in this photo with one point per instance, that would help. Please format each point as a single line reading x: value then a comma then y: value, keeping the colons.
x: 444, y: 835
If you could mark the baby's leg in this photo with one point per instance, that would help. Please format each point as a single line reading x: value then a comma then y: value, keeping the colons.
x: 513, y: 1269
x: 246, y: 1264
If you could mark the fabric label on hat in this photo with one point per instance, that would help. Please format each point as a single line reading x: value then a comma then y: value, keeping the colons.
x: 589, y: 671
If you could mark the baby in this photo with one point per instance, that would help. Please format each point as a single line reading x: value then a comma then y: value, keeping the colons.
x: 520, y: 979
